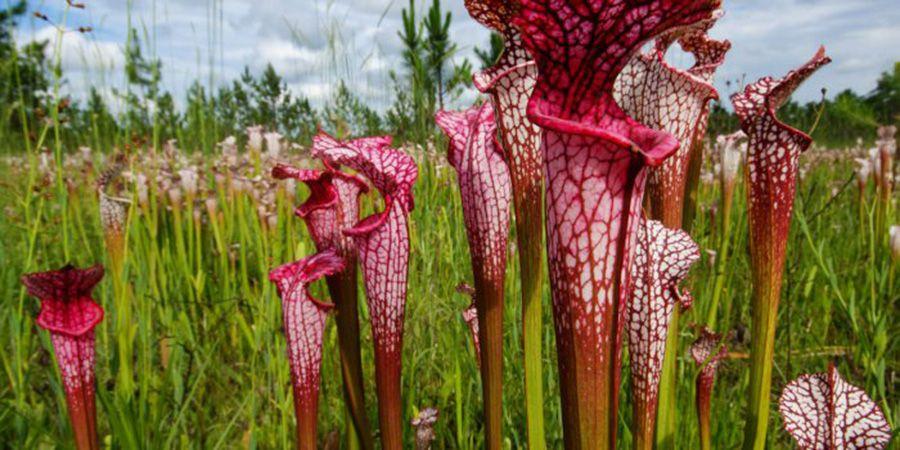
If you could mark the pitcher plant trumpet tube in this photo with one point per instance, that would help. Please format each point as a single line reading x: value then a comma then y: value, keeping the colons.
x: 484, y: 186
x: 70, y: 314
x: 595, y: 161
x: 707, y: 351
x: 662, y: 260
x: 304, y: 323
x: 382, y: 244
x: 823, y: 411
x: 333, y: 206
x: 664, y: 97
x: 510, y: 83
x: 772, y: 163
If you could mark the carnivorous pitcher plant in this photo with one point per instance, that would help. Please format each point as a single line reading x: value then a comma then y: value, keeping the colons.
x: 382, y: 244
x: 485, y: 190
x: 70, y: 315
x: 510, y: 83
x: 772, y: 163
x: 333, y: 206
x: 595, y: 168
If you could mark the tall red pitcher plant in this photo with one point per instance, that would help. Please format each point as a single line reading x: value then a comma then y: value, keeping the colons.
x: 708, y: 54
x: 304, y: 323
x: 662, y: 260
x: 667, y: 98
x: 510, y: 83
x: 772, y: 164
x: 70, y: 315
x: 484, y: 185
x: 333, y: 206
x: 382, y: 245
x: 595, y: 161
x: 664, y: 97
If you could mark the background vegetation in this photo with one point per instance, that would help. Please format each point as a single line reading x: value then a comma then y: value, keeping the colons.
x: 191, y: 353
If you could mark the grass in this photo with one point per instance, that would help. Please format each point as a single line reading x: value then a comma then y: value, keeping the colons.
x: 191, y: 354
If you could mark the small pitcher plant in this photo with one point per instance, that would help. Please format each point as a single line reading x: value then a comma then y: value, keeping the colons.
x: 70, y: 314
x: 333, y: 206
x: 732, y: 149
x: 707, y: 352
x: 662, y: 260
x: 304, y: 323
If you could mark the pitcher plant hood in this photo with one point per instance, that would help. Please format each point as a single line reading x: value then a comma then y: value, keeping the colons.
x: 70, y: 314
x: 304, y: 324
x: 662, y: 260
x: 823, y: 411
x: 332, y: 205
x: 667, y: 98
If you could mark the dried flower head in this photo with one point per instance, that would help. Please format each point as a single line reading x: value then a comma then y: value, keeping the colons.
x: 424, y: 425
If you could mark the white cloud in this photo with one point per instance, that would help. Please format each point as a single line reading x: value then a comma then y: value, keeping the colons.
x: 285, y: 55
x: 78, y: 52
x: 315, y: 43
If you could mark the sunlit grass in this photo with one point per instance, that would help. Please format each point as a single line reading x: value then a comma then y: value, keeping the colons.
x: 191, y: 354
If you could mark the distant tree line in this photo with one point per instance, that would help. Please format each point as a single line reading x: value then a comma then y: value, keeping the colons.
x: 835, y: 122
x: 427, y: 81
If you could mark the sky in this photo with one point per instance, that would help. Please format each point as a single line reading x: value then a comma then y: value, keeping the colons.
x: 315, y: 43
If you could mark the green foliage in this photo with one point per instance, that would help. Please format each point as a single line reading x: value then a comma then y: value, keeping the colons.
x: 145, y: 76
x: 487, y: 57
x: 428, y: 82
x: 208, y: 356
x: 346, y: 115
x: 438, y: 47
x: 23, y: 77
x: 885, y: 99
x: 203, y: 343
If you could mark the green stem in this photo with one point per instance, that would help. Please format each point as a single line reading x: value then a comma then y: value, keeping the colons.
x: 722, y: 255
x: 762, y: 351
x: 667, y: 406
x: 343, y: 290
x: 530, y: 237
x: 353, y: 439
x: 532, y: 318
x: 489, y: 302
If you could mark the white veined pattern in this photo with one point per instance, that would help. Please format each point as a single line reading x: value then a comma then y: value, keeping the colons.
x: 823, y: 412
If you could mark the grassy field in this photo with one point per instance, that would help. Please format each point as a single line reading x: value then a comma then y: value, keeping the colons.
x: 191, y: 354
